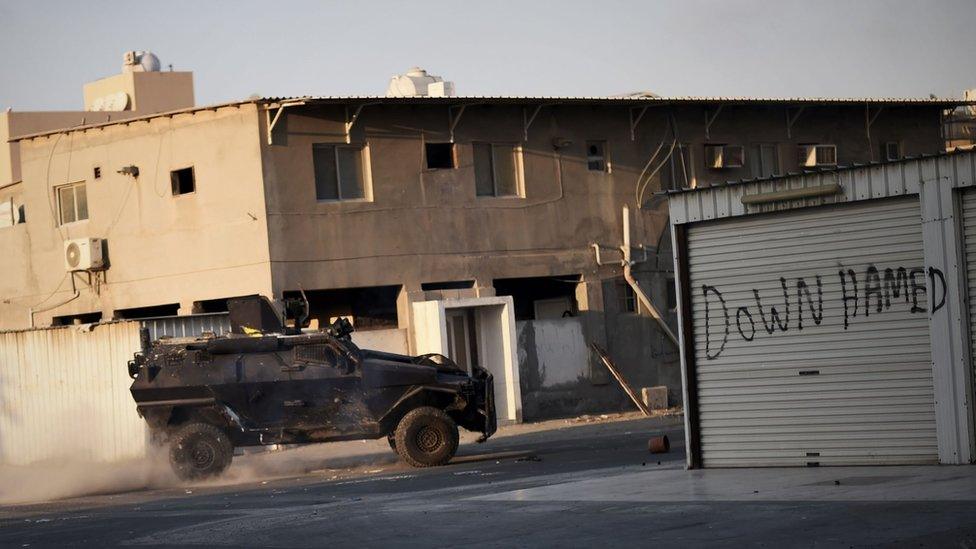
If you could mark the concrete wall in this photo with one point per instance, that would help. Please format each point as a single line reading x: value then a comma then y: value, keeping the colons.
x: 14, y: 123
x: 64, y: 393
x: 428, y: 225
x: 148, y: 92
x: 390, y: 341
x: 162, y: 248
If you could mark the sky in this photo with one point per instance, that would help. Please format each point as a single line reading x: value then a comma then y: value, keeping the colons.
x: 777, y: 48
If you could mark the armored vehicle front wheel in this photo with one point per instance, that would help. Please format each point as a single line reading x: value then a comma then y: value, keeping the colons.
x: 199, y: 450
x: 426, y: 437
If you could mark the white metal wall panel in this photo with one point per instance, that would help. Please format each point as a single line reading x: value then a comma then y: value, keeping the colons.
x: 64, y: 394
x: 969, y: 246
x: 187, y: 326
x: 853, y: 386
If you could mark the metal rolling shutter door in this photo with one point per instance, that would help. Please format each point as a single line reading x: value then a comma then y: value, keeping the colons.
x: 821, y: 393
x: 969, y: 244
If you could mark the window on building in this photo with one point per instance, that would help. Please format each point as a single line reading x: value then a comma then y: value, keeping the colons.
x: 626, y: 297
x: 535, y: 296
x: 447, y: 285
x: 681, y: 167
x: 152, y: 311
x: 596, y: 156
x: 496, y: 169
x: 367, y: 308
x: 816, y: 155
x: 672, y: 295
x: 182, y: 181
x: 82, y: 318
x: 440, y: 156
x: 724, y: 156
x: 892, y: 150
x: 72, y: 203
x: 22, y: 214
x: 210, y: 306
x: 765, y: 160
x: 340, y: 172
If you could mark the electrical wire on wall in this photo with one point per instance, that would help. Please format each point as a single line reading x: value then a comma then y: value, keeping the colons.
x: 645, y: 177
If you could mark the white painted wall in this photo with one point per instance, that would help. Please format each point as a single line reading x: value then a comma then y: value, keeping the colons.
x: 559, y: 348
x: 64, y: 393
x: 390, y: 341
x: 495, y: 322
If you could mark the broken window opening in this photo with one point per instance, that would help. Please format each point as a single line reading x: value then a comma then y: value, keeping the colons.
x: 183, y: 181
x: 152, y: 311
x: 440, y: 156
x: 211, y: 306
x: 544, y: 297
x: 448, y: 285
x: 340, y: 171
x: 81, y: 318
x: 367, y: 308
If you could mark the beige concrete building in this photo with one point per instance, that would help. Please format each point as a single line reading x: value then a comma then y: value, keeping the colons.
x: 463, y: 225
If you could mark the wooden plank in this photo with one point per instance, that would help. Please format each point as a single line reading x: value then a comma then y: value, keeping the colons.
x: 620, y: 379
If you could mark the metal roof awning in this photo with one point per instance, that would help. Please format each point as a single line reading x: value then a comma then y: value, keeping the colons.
x: 471, y: 100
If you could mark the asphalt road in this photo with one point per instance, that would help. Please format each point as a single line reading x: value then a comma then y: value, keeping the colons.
x: 491, y: 495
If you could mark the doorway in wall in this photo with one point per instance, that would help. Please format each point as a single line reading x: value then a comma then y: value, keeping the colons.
x: 474, y: 332
x: 462, y: 341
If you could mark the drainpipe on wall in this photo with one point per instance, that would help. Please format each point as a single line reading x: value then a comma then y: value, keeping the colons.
x: 629, y: 277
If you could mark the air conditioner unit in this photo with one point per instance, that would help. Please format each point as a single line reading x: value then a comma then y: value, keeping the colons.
x: 724, y: 156
x: 84, y: 254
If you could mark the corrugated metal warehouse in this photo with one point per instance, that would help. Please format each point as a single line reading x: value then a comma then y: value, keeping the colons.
x: 826, y: 317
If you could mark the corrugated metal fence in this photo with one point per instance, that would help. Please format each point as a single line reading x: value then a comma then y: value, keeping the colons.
x: 64, y: 392
x: 187, y: 326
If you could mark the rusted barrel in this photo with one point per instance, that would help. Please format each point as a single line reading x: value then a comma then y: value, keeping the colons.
x: 659, y: 444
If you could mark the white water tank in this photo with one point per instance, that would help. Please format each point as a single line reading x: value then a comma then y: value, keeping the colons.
x: 417, y: 83
x: 140, y: 61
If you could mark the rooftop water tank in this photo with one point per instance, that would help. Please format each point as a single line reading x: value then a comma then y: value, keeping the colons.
x: 140, y: 61
x: 417, y: 83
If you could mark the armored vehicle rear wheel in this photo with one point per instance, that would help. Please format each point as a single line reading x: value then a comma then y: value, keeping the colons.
x: 199, y: 450
x: 426, y: 437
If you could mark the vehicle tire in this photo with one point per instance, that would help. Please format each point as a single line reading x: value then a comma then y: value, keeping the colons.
x: 199, y: 451
x: 426, y: 437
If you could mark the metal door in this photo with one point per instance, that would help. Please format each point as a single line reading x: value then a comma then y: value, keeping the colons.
x: 811, y: 337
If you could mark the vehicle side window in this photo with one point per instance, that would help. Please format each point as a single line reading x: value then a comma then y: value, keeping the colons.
x: 323, y: 354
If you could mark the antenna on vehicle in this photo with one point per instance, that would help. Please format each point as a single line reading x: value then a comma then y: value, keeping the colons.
x: 301, y: 319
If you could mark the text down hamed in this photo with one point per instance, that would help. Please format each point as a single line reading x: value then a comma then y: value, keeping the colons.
x: 872, y: 291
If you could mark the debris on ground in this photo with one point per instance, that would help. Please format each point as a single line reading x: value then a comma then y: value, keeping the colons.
x: 600, y: 418
x: 659, y: 444
x: 529, y: 458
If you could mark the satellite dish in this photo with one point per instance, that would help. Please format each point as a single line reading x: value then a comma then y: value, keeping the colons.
x: 118, y: 101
